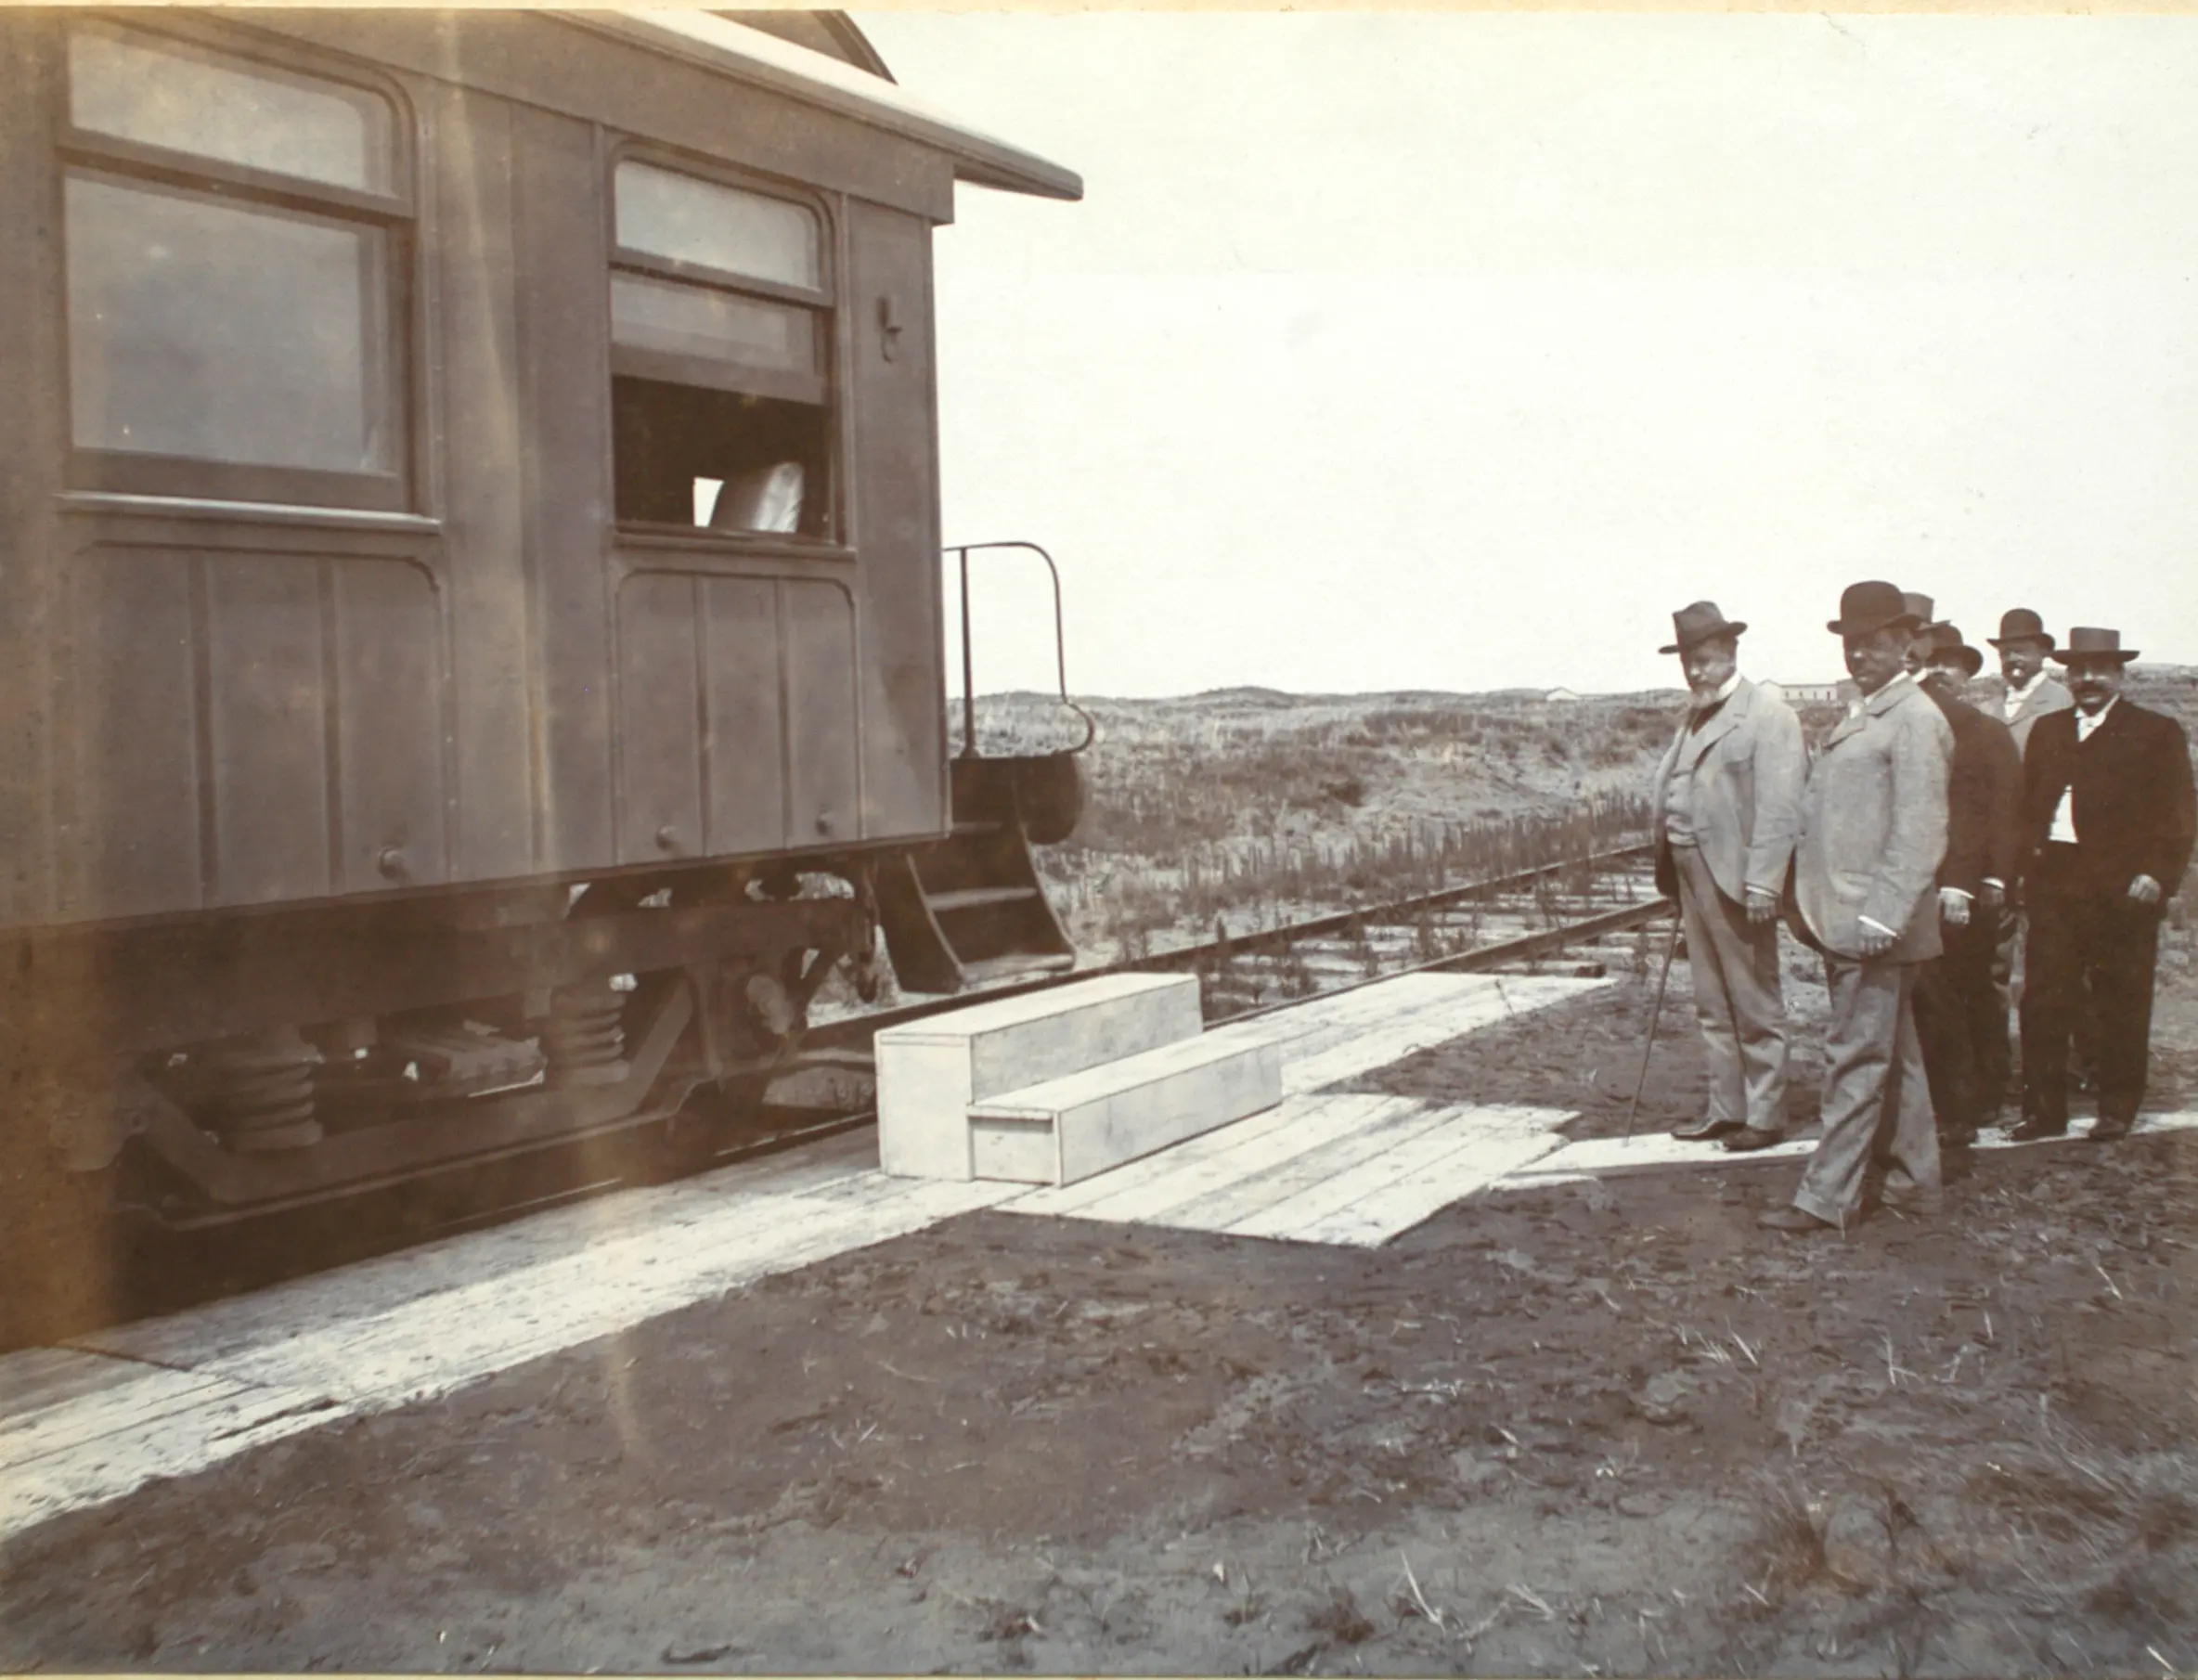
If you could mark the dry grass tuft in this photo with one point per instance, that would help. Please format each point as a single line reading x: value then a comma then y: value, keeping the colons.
x: 1789, y: 1535
x: 1339, y: 1620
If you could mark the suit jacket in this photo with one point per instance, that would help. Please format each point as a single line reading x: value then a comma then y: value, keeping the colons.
x: 2133, y: 804
x: 2050, y: 695
x: 1745, y: 769
x: 1984, y: 799
x: 1873, y: 826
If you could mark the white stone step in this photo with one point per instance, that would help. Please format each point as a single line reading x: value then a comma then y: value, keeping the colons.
x: 1070, y: 1128
x: 929, y: 1071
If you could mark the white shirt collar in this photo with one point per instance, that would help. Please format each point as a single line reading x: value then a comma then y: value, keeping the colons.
x: 2086, y: 721
x: 2015, y: 696
x: 1861, y: 702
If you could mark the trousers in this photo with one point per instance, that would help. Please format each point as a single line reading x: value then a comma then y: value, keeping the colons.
x: 1873, y: 1079
x: 2089, y: 945
x: 1959, y: 1022
x: 1998, y: 1071
x: 1733, y: 964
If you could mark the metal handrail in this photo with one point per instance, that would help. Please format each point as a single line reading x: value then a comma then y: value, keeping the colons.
x: 962, y: 552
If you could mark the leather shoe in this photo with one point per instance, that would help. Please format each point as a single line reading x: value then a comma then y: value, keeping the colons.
x: 2104, y: 1131
x: 1902, y: 1192
x: 1749, y: 1139
x: 1795, y: 1221
x: 1699, y: 1131
x: 2033, y: 1129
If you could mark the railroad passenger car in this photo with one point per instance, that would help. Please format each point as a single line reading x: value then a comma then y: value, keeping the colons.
x: 470, y: 584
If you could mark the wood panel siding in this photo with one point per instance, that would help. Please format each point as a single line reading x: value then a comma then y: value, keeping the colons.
x: 475, y: 353
x: 249, y: 727
x: 564, y: 385
x: 888, y: 301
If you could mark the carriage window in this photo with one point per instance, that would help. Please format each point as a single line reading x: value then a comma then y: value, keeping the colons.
x: 187, y: 101
x: 664, y: 215
x: 718, y: 326
x: 216, y: 332
x: 230, y: 335
x: 721, y: 390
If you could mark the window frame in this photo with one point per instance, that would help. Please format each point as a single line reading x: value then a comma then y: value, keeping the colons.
x: 396, y: 214
x: 709, y: 374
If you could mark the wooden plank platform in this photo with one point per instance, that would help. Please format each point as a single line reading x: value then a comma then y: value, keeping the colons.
x: 174, y: 1395
x: 1597, y: 1157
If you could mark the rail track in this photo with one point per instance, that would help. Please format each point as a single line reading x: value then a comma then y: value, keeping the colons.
x: 1582, y: 908
x: 1581, y: 914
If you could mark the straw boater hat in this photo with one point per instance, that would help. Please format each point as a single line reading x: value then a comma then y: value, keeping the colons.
x: 1920, y: 605
x: 1697, y: 623
x: 1868, y: 607
x: 2020, y: 624
x: 2085, y: 642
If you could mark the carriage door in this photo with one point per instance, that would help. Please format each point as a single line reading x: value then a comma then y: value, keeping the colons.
x: 735, y: 602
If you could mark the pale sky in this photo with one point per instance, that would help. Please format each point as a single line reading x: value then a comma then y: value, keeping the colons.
x: 1423, y: 351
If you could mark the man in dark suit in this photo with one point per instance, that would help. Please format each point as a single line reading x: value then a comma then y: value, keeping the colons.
x: 1957, y: 1015
x: 2030, y: 693
x: 2110, y: 814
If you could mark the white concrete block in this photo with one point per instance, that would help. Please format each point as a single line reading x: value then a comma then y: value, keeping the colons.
x: 930, y: 1071
x: 1107, y: 1115
x: 1015, y: 1151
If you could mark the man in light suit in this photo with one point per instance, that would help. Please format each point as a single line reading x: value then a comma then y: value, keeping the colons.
x: 1873, y: 833
x: 2111, y: 814
x: 2032, y: 692
x: 1727, y: 798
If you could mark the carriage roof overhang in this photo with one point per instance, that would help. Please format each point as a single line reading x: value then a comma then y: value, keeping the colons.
x: 749, y: 55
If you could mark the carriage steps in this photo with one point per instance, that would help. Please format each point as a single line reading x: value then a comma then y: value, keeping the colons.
x: 1054, y: 1086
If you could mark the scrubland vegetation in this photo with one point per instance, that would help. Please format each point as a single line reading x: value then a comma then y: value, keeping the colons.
x: 1245, y: 808
x: 1242, y: 808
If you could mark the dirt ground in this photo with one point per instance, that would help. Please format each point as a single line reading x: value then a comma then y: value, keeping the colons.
x: 1602, y: 1428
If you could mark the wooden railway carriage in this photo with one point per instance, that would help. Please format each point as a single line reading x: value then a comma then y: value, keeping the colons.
x: 469, y: 572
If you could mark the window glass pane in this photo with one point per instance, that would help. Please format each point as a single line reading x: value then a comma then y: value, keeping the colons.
x: 691, y: 320
x: 218, y: 108
x: 224, y: 334
x: 692, y: 221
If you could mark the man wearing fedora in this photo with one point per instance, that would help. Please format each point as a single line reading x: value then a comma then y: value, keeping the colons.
x: 1727, y: 798
x: 1957, y: 1015
x: 2107, y: 796
x: 1873, y: 833
x: 2032, y: 691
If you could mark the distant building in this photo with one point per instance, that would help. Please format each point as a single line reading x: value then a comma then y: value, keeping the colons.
x: 1810, y: 694
x: 1560, y: 694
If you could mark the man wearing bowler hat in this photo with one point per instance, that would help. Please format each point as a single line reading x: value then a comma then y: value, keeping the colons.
x: 1873, y: 833
x: 1958, y: 1018
x: 2023, y: 643
x: 1727, y: 798
x: 2033, y: 693
x: 2107, y: 796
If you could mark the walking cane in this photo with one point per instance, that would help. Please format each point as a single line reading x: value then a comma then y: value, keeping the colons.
x: 1670, y: 950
